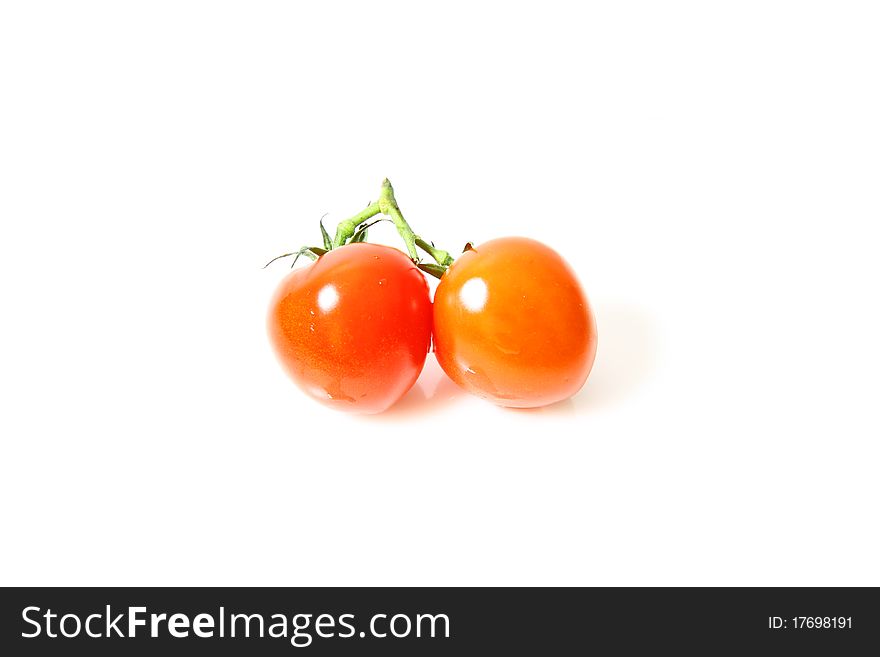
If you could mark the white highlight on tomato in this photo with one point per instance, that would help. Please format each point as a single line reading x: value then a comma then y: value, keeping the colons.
x: 473, y: 294
x: 328, y: 297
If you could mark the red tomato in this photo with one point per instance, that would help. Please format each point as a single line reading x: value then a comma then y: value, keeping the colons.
x: 353, y: 329
x: 512, y: 324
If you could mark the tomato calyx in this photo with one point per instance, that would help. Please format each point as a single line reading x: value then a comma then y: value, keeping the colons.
x: 355, y: 229
x: 311, y: 252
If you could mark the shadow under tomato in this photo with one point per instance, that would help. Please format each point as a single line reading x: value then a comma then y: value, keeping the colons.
x: 629, y: 347
x: 626, y: 357
x: 564, y: 407
x: 432, y: 392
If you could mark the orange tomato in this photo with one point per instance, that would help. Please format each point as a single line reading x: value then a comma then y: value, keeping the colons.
x: 513, y: 325
x: 353, y: 329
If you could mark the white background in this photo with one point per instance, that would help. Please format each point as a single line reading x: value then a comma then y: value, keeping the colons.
x: 709, y: 169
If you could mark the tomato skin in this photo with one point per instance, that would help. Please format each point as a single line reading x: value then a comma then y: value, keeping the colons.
x: 513, y: 325
x: 353, y: 328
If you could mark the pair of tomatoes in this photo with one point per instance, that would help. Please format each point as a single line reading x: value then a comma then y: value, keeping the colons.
x: 510, y: 323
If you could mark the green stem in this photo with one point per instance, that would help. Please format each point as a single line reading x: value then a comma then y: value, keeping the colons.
x: 440, y: 256
x: 388, y: 206
x: 346, y: 228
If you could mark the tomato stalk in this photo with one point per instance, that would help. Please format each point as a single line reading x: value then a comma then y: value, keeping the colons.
x: 345, y: 229
x: 440, y: 256
x: 388, y: 205
x: 354, y: 229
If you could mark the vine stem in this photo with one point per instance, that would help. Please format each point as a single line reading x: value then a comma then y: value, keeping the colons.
x: 354, y: 229
x: 388, y: 206
x: 346, y: 228
x: 440, y: 256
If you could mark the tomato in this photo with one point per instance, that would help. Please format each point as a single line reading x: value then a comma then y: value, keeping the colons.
x: 353, y: 329
x: 513, y: 325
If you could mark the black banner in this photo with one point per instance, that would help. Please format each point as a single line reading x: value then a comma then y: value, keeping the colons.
x: 445, y: 621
